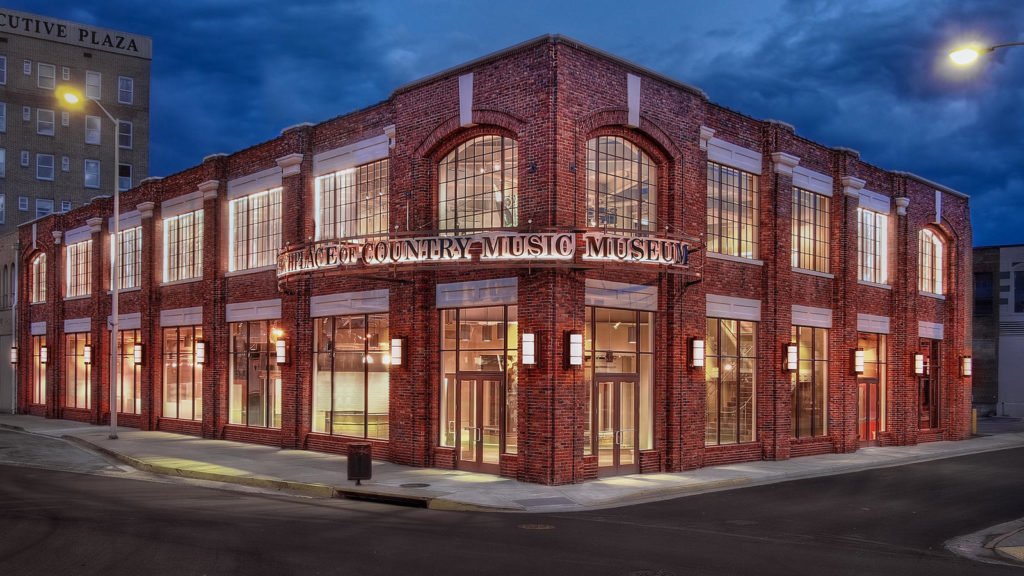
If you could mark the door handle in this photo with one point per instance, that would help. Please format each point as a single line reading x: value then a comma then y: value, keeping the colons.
x: 618, y: 438
x: 479, y: 434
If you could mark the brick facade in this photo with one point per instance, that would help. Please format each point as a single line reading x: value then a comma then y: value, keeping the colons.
x: 551, y: 95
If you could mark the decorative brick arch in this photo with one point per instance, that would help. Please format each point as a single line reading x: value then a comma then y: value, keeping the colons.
x: 615, y: 121
x: 485, y: 121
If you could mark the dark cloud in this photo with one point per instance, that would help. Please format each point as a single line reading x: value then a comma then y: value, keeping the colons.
x: 870, y: 75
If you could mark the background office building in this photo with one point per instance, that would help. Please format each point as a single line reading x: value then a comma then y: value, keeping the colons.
x: 53, y: 159
x: 548, y: 263
x: 999, y: 330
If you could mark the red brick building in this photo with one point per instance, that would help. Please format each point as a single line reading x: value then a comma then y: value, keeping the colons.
x: 548, y: 263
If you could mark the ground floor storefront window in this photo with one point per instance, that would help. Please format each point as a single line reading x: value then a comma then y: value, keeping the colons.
x: 871, y: 387
x: 254, y: 395
x: 40, y: 356
x: 618, y: 363
x: 183, y: 376
x: 350, y: 374
x: 479, y: 384
x: 730, y: 381
x: 129, y: 380
x: 810, y: 382
x: 77, y: 369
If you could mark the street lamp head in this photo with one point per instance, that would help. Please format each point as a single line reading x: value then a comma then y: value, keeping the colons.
x: 69, y: 95
x: 964, y: 56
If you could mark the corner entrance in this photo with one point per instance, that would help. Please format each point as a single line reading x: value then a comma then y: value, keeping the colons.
x: 479, y: 409
x: 616, y: 426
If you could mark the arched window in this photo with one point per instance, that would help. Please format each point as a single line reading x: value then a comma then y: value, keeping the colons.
x: 622, y: 186
x: 38, y: 293
x: 478, y: 185
x: 930, y: 263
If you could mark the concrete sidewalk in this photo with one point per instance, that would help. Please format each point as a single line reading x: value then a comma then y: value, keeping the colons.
x: 325, y: 475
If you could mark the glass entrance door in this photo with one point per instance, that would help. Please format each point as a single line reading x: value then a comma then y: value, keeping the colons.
x: 867, y: 409
x: 928, y: 385
x: 616, y: 426
x: 479, y: 417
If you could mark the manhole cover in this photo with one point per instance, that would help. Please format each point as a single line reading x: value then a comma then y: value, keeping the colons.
x: 414, y: 485
x: 536, y: 526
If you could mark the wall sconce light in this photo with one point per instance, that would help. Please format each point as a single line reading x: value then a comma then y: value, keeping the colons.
x: 87, y: 354
x: 14, y: 354
x: 397, y: 348
x: 529, y: 349
x: 697, y: 353
x: 44, y: 354
x: 631, y: 335
x: 919, y: 364
x: 200, y: 351
x: 138, y: 353
x: 791, y: 357
x: 573, y: 349
x: 281, y: 348
x: 966, y: 366
x: 858, y: 361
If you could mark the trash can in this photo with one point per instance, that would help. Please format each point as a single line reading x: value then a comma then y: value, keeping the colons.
x: 359, y: 465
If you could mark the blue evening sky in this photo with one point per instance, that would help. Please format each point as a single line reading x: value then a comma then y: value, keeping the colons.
x: 871, y: 75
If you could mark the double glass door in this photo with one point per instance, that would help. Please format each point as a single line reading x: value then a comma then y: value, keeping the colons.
x: 928, y: 391
x: 868, y: 403
x: 616, y: 413
x: 479, y: 402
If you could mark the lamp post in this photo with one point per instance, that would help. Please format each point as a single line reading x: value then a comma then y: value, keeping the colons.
x: 72, y: 97
x: 967, y: 55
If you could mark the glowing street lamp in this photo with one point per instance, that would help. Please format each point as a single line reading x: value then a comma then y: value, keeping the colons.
x: 969, y: 54
x: 69, y: 97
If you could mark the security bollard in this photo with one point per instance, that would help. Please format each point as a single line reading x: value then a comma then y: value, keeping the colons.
x: 359, y: 463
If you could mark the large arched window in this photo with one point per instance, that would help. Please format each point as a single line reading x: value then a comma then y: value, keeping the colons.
x: 929, y: 263
x: 478, y: 185
x: 38, y: 293
x: 622, y: 186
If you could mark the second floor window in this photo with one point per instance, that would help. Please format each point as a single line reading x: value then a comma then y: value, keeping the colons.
x: 38, y: 291
x: 929, y: 278
x: 478, y: 185
x: 183, y: 246
x: 93, y: 84
x: 44, y: 122
x: 810, y: 230
x: 872, y: 246
x: 44, y: 166
x: 622, y: 189
x: 129, y: 258
x: 47, y: 76
x: 92, y: 129
x: 124, y: 134
x: 79, y: 269
x: 353, y: 202
x: 255, y: 230
x: 732, y: 212
x: 125, y: 90
x: 92, y: 174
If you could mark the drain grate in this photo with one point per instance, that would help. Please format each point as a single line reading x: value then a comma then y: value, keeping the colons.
x: 415, y: 485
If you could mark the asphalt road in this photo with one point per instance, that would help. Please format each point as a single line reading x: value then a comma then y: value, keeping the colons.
x: 889, y: 521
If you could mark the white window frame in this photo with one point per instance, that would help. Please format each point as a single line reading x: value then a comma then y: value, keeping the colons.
x: 91, y: 168
x: 121, y: 135
x: 81, y: 251
x: 40, y: 207
x: 3, y: 116
x: 259, y: 249
x: 23, y: 203
x: 65, y: 206
x: 25, y: 159
x: 121, y: 90
x: 3, y: 208
x: 93, y: 84
x: 121, y: 179
x: 3, y: 69
x: 65, y: 73
x: 26, y: 113
x: 931, y: 256
x: 41, y: 164
x: 131, y: 268
x: 93, y: 135
x: 46, y: 122
x: 46, y: 76
x: 177, y: 246
x: 26, y: 67
x: 65, y: 118
x: 3, y: 162
x: 872, y: 246
x: 65, y: 164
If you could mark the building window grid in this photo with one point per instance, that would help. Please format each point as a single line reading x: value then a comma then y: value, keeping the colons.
x: 811, y: 225
x: 91, y: 174
x: 810, y: 382
x: 3, y: 162
x: 124, y: 134
x: 44, y: 206
x: 38, y: 288
x: 183, y: 246
x: 3, y: 69
x: 930, y: 259
x: 93, y: 130
x: 478, y: 185
x: 129, y: 258
x: 79, y: 269
x: 731, y: 381
x: 351, y: 360
x: 77, y: 380
x: 44, y: 167
x: 621, y: 186
x: 256, y: 228
x: 93, y: 84
x: 125, y: 90
x: 872, y: 246
x: 3, y: 117
x: 183, y: 377
x: 354, y: 202
x: 254, y: 398
x: 124, y: 176
x: 732, y: 205
x: 45, y: 121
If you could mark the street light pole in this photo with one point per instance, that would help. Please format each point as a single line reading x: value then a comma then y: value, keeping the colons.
x: 968, y: 55
x: 72, y: 97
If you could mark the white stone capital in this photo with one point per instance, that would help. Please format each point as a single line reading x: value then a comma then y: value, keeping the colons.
x: 901, y: 205
x: 705, y: 135
x: 290, y: 164
x: 852, y: 186
x: 146, y: 209
x: 784, y: 163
